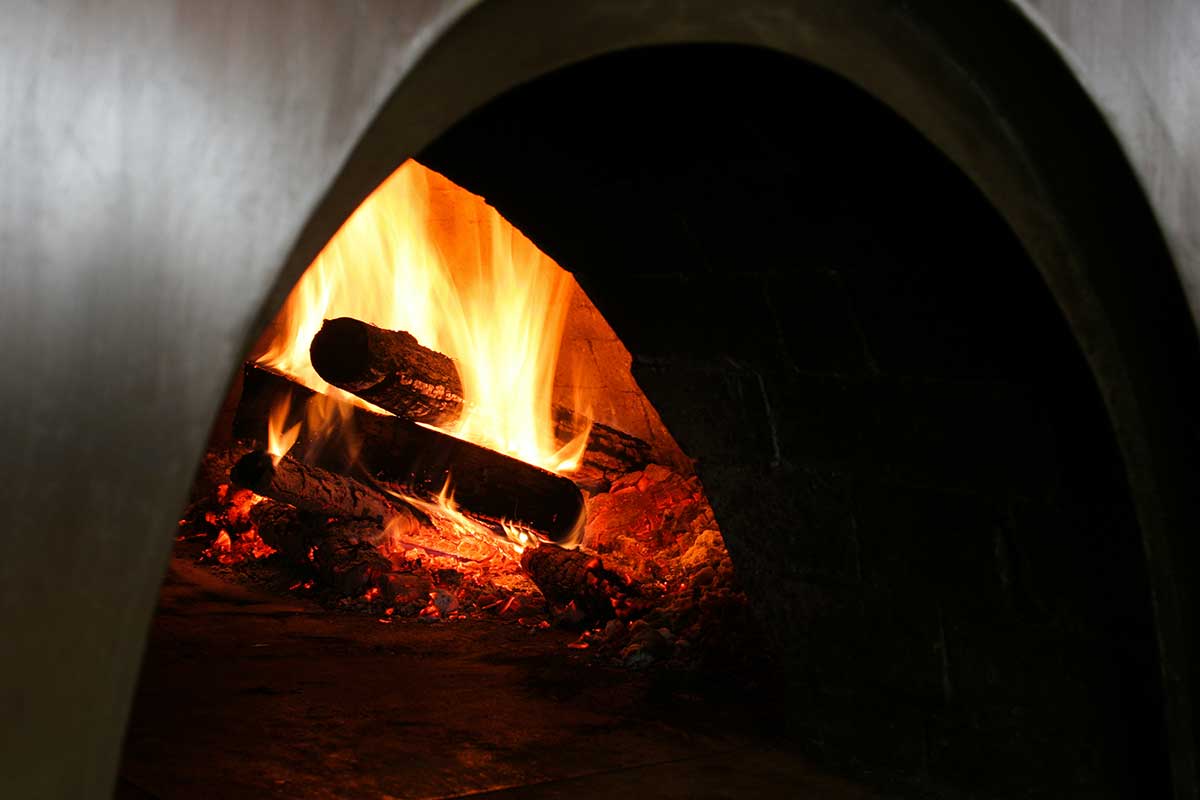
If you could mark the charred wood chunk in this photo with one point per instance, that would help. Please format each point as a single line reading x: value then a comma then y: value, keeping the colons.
x: 311, y: 489
x: 609, y: 454
x: 389, y: 369
x: 567, y: 577
x: 392, y: 370
x: 343, y: 553
x: 488, y: 485
x: 286, y: 529
x: 348, y: 560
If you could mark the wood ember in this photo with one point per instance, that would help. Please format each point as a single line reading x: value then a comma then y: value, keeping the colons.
x: 293, y: 531
x: 313, y: 489
x: 425, y: 563
x: 486, y: 484
x: 343, y: 553
x: 392, y: 370
x: 574, y: 578
x: 656, y: 525
x: 221, y: 518
x: 348, y: 560
x: 286, y: 529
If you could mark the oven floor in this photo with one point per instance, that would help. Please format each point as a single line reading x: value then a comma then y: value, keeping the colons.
x: 246, y: 694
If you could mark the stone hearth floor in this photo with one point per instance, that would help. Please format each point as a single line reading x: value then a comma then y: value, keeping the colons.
x: 245, y: 694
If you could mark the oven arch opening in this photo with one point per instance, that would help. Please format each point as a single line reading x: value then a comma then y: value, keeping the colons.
x: 943, y: 372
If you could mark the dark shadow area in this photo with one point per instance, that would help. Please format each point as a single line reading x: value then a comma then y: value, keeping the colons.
x: 909, y: 457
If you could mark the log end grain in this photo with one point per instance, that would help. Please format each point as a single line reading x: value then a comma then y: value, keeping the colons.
x: 253, y: 470
x: 341, y: 354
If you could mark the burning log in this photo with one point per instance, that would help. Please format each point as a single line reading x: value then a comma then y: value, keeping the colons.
x: 609, y: 453
x: 389, y: 369
x: 567, y: 577
x: 486, y: 484
x: 392, y: 370
x: 312, y: 489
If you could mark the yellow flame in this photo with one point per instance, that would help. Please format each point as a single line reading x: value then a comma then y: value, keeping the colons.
x: 519, y: 536
x: 280, y: 441
x: 330, y: 424
x: 469, y: 534
x: 423, y: 255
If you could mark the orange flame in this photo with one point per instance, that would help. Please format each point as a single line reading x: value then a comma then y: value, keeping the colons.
x: 423, y: 255
x: 280, y: 441
x: 329, y: 423
x: 470, y: 539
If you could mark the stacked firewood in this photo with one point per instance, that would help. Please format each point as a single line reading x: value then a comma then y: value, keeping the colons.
x: 393, y: 371
x: 363, y: 519
x: 413, y: 459
x: 647, y: 581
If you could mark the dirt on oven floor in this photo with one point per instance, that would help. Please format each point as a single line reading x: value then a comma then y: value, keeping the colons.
x: 247, y: 693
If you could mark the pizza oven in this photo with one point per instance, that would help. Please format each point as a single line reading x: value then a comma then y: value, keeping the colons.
x: 658, y: 398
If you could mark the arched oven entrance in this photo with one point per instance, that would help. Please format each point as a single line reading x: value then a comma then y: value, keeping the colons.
x: 921, y: 562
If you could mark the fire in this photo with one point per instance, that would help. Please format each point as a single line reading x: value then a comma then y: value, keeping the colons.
x: 423, y: 255
x: 468, y: 538
x: 280, y: 441
x: 329, y: 423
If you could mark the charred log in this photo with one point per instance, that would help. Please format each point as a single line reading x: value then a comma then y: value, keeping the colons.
x: 392, y: 370
x: 389, y: 369
x: 348, y: 560
x: 489, y: 485
x: 341, y: 552
x: 286, y: 529
x: 572, y: 577
x: 312, y: 489
x: 609, y: 454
